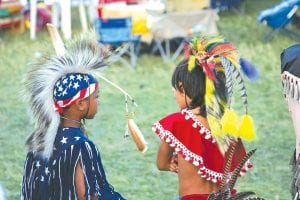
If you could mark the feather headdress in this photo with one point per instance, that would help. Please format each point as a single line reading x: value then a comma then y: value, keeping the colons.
x: 221, y: 63
x: 84, y: 56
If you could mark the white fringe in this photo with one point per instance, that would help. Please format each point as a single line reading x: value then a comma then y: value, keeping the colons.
x: 291, y: 88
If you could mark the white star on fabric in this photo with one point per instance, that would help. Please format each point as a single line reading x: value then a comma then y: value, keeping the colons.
x: 58, y: 83
x: 72, y: 77
x: 79, y: 77
x: 60, y: 88
x: 65, y: 81
x: 64, y: 140
x: 77, y: 138
x: 47, y: 171
x: 86, y: 78
x: 54, y: 92
x: 70, y: 85
x: 76, y: 85
x: 38, y: 164
x: 64, y: 92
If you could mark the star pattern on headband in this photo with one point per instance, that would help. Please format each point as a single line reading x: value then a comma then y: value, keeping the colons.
x: 69, y: 85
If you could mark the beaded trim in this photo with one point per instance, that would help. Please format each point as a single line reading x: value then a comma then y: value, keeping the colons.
x: 193, y: 158
x: 203, y: 130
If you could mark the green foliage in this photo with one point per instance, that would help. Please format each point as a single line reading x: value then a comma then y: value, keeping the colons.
x: 135, y: 174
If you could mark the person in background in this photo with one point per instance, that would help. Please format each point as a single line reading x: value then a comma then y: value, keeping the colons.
x: 290, y: 75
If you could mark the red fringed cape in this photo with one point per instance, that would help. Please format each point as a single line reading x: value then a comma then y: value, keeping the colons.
x: 195, y: 143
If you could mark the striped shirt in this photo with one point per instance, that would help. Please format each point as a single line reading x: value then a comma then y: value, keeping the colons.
x: 55, y: 178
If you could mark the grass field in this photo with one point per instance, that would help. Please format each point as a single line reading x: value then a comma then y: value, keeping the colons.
x: 135, y: 174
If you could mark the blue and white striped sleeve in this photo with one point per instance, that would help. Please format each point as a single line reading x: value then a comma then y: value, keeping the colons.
x: 94, y: 175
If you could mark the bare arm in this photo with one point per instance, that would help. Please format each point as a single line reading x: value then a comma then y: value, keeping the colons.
x: 165, y: 160
x: 79, y: 183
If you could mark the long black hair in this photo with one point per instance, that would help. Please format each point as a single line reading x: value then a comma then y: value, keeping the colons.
x: 192, y: 83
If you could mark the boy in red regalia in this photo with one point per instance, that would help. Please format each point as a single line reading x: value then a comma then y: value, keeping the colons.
x: 196, y: 141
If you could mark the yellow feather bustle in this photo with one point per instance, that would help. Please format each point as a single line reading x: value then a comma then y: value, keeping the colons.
x: 247, y: 130
x: 230, y: 122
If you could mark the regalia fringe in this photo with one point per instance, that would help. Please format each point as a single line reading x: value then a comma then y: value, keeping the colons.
x: 291, y: 88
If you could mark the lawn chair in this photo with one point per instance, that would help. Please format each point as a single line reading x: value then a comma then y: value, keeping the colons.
x: 278, y: 18
x: 118, y: 32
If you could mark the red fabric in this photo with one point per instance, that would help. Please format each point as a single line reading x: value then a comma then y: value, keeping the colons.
x: 196, y: 144
x: 195, y: 197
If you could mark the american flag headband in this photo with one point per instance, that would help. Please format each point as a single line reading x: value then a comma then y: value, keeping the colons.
x: 72, y: 87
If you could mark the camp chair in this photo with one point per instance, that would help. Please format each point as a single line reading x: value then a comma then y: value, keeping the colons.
x: 118, y: 32
x: 278, y: 18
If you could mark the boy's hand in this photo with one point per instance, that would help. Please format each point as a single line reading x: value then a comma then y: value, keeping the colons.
x: 174, y: 164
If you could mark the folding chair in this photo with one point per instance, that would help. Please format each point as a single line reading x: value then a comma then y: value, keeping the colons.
x: 278, y: 18
x: 117, y: 32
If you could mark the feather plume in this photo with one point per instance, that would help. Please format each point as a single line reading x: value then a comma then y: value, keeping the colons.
x: 249, y: 69
x: 221, y: 64
x: 82, y: 56
x: 240, y: 84
x: 239, y: 168
x: 229, y: 122
x: 192, y: 63
x: 226, y: 172
x: 246, y: 130
x: 229, y: 77
x: 225, y: 189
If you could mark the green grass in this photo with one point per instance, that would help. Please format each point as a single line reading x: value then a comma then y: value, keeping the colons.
x: 135, y: 174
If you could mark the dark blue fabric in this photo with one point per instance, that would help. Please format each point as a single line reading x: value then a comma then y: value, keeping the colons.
x: 290, y: 60
x: 54, y: 178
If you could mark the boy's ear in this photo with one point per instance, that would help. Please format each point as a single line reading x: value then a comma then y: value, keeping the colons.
x: 80, y: 104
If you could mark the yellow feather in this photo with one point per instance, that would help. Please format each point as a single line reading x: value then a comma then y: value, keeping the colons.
x: 217, y: 60
x: 209, y: 86
x: 215, y: 127
x: 234, y: 59
x: 247, y: 130
x: 192, y: 63
x: 229, y: 122
x: 200, y: 46
x: 214, y: 40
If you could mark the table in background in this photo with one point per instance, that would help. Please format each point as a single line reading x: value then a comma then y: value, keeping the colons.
x: 181, y: 25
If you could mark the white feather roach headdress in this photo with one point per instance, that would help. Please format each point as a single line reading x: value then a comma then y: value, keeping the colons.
x: 84, y: 56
